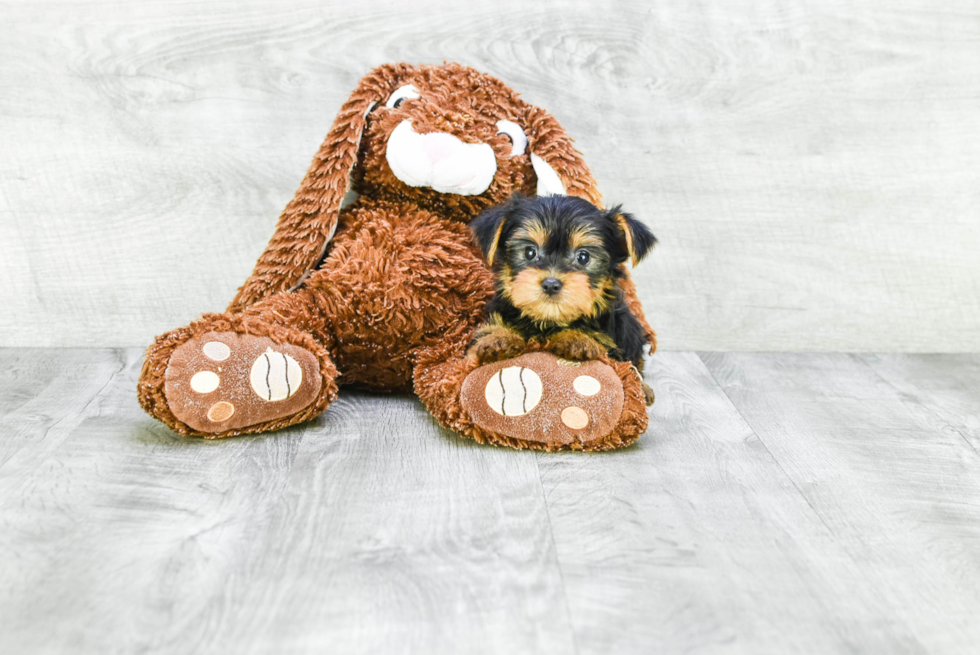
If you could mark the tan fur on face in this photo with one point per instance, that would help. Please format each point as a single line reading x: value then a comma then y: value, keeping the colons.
x: 582, y: 237
x: 533, y: 231
x: 576, y: 298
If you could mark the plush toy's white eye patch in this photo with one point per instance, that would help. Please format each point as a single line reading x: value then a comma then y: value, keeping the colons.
x: 407, y: 92
x: 517, y: 137
x: 549, y: 182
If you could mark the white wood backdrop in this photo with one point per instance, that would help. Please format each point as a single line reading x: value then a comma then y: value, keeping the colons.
x: 812, y: 168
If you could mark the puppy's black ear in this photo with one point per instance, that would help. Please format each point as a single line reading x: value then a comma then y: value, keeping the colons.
x: 637, y: 236
x: 489, y: 225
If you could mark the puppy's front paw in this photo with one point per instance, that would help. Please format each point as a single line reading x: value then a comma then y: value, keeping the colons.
x: 648, y: 395
x: 575, y: 345
x: 496, y: 346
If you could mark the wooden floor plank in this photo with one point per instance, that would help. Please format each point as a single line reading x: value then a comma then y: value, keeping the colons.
x: 400, y: 537
x: 44, y: 394
x: 779, y: 503
x: 900, y: 494
x: 948, y: 385
x: 696, y: 540
x: 126, y: 532
x: 369, y: 530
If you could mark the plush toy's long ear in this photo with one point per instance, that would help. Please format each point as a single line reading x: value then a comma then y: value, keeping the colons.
x: 558, y: 166
x: 489, y: 225
x: 310, y: 219
x: 637, y: 236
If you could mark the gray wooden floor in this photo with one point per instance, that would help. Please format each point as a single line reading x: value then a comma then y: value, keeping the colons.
x: 816, y: 503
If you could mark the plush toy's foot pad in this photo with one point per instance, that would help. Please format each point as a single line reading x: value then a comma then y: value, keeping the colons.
x: 220, y: 381
x: 542, y: 399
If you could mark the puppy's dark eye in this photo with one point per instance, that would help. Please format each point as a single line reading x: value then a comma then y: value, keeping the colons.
x: 398, y: 103
x: 530, y: 253
x: 583, y: 258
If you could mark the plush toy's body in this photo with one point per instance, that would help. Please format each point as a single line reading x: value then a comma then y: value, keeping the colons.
x: 383, y: 293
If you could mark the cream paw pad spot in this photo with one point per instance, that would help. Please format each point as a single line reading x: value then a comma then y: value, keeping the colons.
x: 205, y: 381
x: 586, y: 385
x: 275, y: 376
x: 216, y: 350
x: 222, y: 381
x: 513, y: 391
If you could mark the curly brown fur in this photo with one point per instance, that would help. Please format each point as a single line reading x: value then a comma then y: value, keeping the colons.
x: 388, y: 289
x: 558, y: 262
x: 437, y: 383
x: 454, y: 99
x: 150, y: 391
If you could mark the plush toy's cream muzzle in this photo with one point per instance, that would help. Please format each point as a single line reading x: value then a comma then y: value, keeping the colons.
x: 440, y: 161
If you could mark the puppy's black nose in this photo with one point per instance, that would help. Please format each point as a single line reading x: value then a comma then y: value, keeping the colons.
x: 551, y: 286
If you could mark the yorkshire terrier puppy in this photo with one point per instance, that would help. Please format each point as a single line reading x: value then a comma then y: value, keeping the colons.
x: 558, y: 260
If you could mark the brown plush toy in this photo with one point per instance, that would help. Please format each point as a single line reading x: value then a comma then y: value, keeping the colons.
x: 372, y: 280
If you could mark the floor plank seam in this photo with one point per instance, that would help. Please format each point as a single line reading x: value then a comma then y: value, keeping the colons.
x: 121, y: 361
x: 554, y: 546
x: 902, y: 395
x: 842, y: 543
x: 721, y: 387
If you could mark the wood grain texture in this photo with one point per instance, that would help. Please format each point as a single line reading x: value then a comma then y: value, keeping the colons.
x: 697, y: 540
x: 45, y: 396
x: 810, y: 167
x: 895, y: 487
x: 947, y: 385
x: 778, y: 504
x: 367, y: 531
